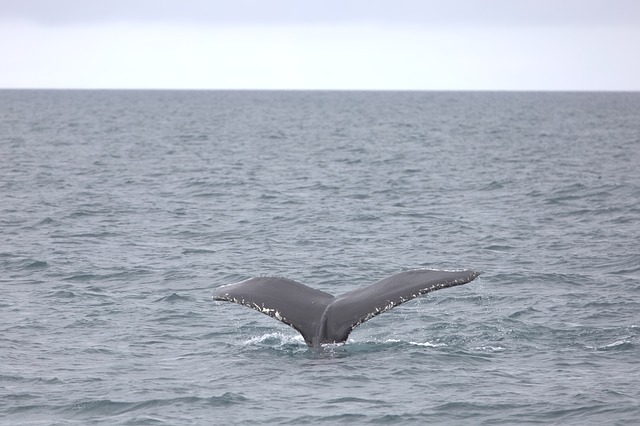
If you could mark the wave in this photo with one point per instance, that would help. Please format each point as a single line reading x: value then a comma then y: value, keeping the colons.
x: 173, y: 298
x: 295, y: 344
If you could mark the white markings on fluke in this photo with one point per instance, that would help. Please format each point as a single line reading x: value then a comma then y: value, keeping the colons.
x: 272, y: 312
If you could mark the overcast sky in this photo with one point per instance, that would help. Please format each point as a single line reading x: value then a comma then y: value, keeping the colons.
x: 321, y: 44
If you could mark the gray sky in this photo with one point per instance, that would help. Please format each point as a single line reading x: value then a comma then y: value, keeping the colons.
x: 324, y: 44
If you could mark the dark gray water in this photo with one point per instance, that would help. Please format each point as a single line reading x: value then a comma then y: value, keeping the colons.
x: 120, y: 211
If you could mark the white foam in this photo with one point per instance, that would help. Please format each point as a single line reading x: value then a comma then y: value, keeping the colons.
x: 428, y: 344
x: 280, y: 339
x: 491, y: 348
x: 616, y: 343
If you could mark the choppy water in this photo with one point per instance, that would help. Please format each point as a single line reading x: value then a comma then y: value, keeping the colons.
x: 120, y: 211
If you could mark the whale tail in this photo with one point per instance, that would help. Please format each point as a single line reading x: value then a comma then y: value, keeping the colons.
x: 322, y: 318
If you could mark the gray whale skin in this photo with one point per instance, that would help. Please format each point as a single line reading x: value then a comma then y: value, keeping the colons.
x: 323, y: 318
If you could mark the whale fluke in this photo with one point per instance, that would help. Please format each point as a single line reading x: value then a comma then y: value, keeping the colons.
x: 322, y: 318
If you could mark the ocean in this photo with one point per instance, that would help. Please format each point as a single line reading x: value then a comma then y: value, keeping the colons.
x: 121, y: 211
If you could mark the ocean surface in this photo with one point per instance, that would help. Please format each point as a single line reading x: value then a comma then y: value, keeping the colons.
x: 121, y: 211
